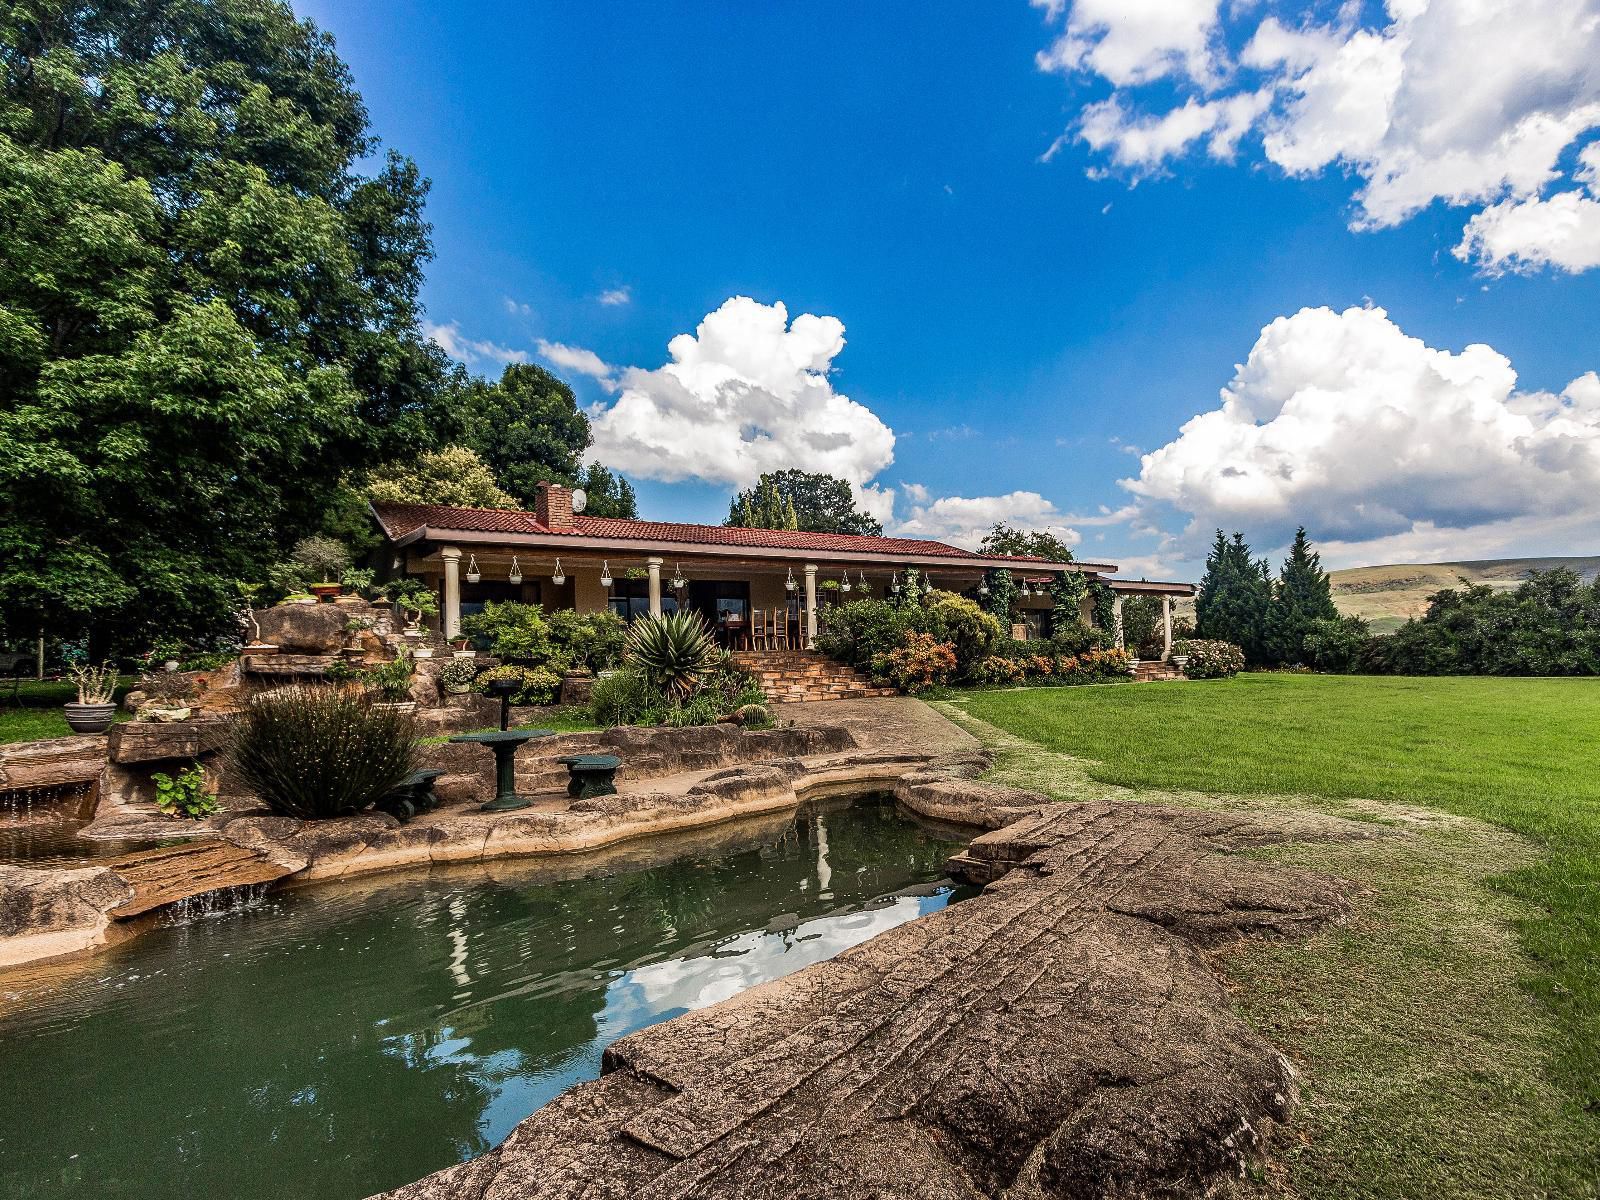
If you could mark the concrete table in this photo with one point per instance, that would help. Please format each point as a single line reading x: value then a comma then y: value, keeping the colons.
x: 505, y: 743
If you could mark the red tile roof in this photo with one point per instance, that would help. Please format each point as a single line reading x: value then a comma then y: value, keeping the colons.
x: 398, y: 520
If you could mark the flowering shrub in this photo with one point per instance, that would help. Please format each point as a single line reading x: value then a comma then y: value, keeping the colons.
x: 996, y: 670
x: 1095, y: 666
x: 1210, y: 660
x: 918, y: 664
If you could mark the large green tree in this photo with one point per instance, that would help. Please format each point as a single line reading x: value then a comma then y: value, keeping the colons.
x: 528, y: 427
x: 207, y: 314
x: 1303, y: 596
x: 1033, y: 543
x: 453, y: 475
x: 1234, y: 598
x: 816, y: 503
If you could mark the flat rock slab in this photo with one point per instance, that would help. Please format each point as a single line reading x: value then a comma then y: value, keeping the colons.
x: 55, y: 762
x: 1059, y: 1035
x: 173, y: 873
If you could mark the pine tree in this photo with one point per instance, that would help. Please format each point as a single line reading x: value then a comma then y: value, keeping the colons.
x: 1303, y: 595
x: 1235, y: 597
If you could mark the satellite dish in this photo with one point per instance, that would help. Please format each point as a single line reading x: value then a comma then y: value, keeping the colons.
x: 579, y: 499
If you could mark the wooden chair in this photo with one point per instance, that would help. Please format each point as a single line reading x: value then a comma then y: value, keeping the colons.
x: 758, y: 629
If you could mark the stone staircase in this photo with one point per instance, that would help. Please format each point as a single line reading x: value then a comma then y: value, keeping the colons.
x: 804, y: 676
x: 1155, y: 671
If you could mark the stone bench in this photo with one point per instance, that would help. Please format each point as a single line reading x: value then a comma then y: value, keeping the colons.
x: 414, y: 795
x: 591, y: 774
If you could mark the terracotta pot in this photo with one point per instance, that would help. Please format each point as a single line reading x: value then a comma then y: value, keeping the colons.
x: 90, y: 718
x: 326, y: 591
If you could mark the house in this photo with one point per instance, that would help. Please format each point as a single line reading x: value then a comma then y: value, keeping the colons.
x: 738, y: 579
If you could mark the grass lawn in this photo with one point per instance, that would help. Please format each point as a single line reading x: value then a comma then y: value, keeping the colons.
x: 1412, y: 1018
x: 40, y: 715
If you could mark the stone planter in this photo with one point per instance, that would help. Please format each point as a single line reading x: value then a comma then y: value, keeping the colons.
x: 458, y: 689
x: 399, y: 706
x: 1180, y: 661
x: 354, y: 653
x: 422, y: 652
x: 161, y: 713
x: 90, y: 718
x: 325, y: 592
x: 464, y: 654
x: 259, y: 648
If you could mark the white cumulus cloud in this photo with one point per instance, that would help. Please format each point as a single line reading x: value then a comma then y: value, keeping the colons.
x: 579, y: 360
x: 1470, y: 102
x: 457, y: 345
x: 1134, y: 41
x: 1375, y: 440
x: 963, y: 520
x: 747, y: 392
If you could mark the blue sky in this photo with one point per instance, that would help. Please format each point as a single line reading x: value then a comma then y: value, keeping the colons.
x: 1029, y: 322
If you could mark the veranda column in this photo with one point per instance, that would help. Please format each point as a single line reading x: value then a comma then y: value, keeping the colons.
x: 655, y: 585
x: 1166, y: 628
x: 452, y: 591
x: 811, y: 605
x: 1116, y: 622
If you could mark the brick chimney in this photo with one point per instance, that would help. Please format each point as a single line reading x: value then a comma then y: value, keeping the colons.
x: 553, y: 509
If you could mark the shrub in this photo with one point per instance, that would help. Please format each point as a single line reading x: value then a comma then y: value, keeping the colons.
x: 458, y: 673
x: 996, y: 670
x: 392, y: 679
x: 535, y: 685
x: 624, y: 697
x: 1209, y: 659
x: 675, y: 652
x: 960, y: 623
x: 185, y: 795
x: 920, y: 663
x: 312, y: 752
x: 858, y: 632
x: 1095, y: 666
x: 512, y: 630
x: 1335, y: 644
x: 592, y: 640
x: 1072, y: 638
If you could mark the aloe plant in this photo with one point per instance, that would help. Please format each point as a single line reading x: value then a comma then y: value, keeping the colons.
x: 675, y: 652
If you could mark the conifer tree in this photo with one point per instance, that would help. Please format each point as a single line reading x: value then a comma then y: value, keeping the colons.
x: 1235, y: 597
x: 1303, y: 596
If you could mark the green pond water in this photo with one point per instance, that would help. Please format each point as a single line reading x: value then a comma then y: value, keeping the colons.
x: 338, y: 1040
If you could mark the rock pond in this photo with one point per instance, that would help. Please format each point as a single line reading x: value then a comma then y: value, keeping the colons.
x: 338, y: 1040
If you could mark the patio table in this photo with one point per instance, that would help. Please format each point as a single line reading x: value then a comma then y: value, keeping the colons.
x: 505, y: 743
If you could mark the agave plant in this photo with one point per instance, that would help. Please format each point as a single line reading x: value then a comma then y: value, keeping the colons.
x: 675, y: 651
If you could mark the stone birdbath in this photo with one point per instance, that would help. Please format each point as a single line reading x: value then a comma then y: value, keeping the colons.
x: 505, y: 743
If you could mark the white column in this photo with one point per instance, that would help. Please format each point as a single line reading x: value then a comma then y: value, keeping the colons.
x: 1116, y: 622
x: 655, y: 585
x: 1166, y: 628
x: 452, y: 591
x: 811, y: 605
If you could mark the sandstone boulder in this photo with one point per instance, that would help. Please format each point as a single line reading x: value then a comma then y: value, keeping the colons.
x: 304, y: 628
x: 47, y: 912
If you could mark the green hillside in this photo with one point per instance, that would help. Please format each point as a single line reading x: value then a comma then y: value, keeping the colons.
x: 1388, y: 596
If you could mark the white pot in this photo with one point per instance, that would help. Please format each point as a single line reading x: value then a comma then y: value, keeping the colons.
x: 171, y: 664
x: 1180, y: 661
x: 422, y: 652
x: 465, y: 654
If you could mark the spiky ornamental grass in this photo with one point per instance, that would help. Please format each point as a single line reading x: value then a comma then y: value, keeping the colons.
x: 675, y: 652
x: 313, y: 752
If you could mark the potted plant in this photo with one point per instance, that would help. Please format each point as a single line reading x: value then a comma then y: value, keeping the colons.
x: 392, y: 681
x: 463, y: 649
x: 354, y: 627
x: 95, y: 709
x: 325, y: 559
x: 457, y: 675
x: 169, y: 696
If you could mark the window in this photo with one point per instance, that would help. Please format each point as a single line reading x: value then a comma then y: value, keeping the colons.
x: 630, y: 598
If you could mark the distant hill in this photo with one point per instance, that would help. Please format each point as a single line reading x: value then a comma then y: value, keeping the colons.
x: 1388, y: 596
